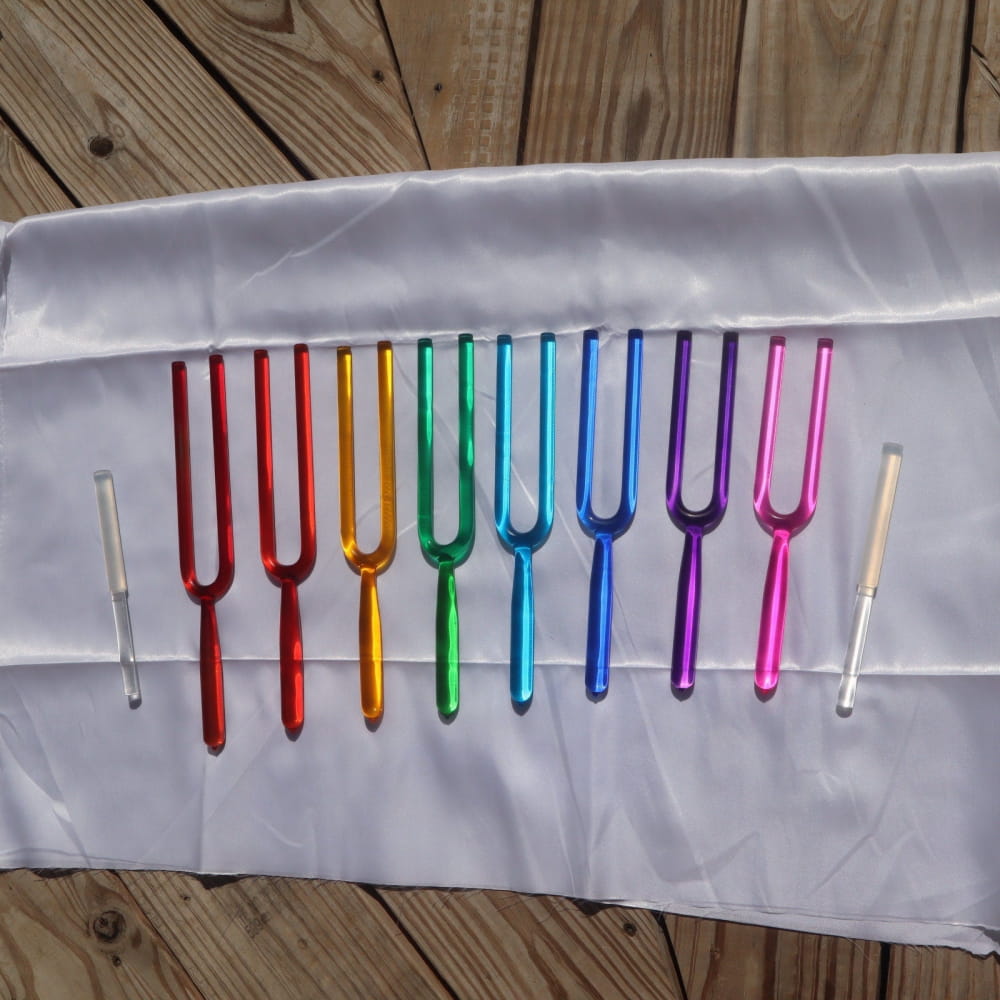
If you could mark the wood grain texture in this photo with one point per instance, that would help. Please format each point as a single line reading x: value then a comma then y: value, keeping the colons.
x: 492, y: 945
x: 321, y: 75
x: 633, y: 80
x: 118, y: 108
x: 941, y: 974
x: 464, y: 63
x: 25, y: 186
x: 81, y: 936
x: 981, y: 111
x: 273, y: 938
x: 719, y: 960
x: 846, y: 77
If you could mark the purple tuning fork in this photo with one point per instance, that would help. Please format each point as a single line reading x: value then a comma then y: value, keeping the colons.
x: 784, y: 526
x: 696, y: 523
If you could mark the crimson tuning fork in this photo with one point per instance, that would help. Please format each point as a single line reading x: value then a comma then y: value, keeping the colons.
x: 287, y: 576
x: 213, y: 710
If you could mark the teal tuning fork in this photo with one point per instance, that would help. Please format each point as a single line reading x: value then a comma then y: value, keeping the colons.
x: 604, y: 530
x: 524, y: 543
x: 446, y: 557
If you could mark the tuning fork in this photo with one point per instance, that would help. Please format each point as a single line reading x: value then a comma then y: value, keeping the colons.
x: 368, y: 564
x: 287, y: 576
x: 696, y: 523
x: 783, y: 527
x: 604, y: 530
x: 445, y: 557
x: 524, y: 543
x: 114, y: 565
x: 871, y: 570
x: 213, y: 710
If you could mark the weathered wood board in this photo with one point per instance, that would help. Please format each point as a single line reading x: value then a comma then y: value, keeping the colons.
x: 822, y: 77
x: 26, y: 187
x: 941, y: 974
x: 322, y: 77
x: 80, y: 936
x: 633, y: 80
x: 119, y: 109
x: 981, y: 110
x: 465, y: 64
x: 492, y: 945
x: 719, y: 959
x: 272, y: 938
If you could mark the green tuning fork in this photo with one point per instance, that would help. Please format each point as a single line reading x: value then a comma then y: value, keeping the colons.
x: 446, y: 557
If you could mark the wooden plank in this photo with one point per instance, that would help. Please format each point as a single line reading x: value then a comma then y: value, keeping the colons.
x: 464, y: 63
x: 821, y: 77
x: 273, y: 938
x: 719, y: 960
x: 118, y: 108
x: 25, y: 186
x: 496, y: 945
x: 941, y: 974
x: 981, y: 112
x: 321, y: 75
x: 633, y: 80
x: 80, y: 936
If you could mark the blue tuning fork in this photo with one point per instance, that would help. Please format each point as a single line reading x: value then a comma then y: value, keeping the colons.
x: 604, y: 530
x: 524, y: 543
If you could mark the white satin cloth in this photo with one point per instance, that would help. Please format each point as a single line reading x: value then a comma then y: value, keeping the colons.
x: 882, y: 825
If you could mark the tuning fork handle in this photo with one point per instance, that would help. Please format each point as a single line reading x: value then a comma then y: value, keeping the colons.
x: 685, y: 651
x: 213, y: 705
x: 522, y: 629
x: 599, y: 618
x: 772, y: 614
x: 370, y: 647
x: 446, y: 640
x: 290, y: 657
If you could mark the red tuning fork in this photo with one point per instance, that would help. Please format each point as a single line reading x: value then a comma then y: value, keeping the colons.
x: 288, y: 576
x: 213, y: 708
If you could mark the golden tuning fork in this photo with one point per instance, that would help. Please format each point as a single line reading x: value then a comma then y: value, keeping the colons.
x: 368, y: 564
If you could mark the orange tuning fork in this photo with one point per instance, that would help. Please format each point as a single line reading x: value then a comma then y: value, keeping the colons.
x: 287, y: 576
x: 213, y: 709
x: 368, y: 564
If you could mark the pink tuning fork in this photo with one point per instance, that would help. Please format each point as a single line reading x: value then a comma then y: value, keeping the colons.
x: 784, y: 526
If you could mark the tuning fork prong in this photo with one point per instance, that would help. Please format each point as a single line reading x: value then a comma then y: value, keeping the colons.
x: 696, y: 523
x: 368, y: 564
x: 288, y: 576
x: 446, y: 557
x: 605, y: 529
x: 524, y: 543
x: 212, y: 697
x: 783, y: 527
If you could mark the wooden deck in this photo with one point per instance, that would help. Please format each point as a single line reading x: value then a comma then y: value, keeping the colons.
x: 111, y: 100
